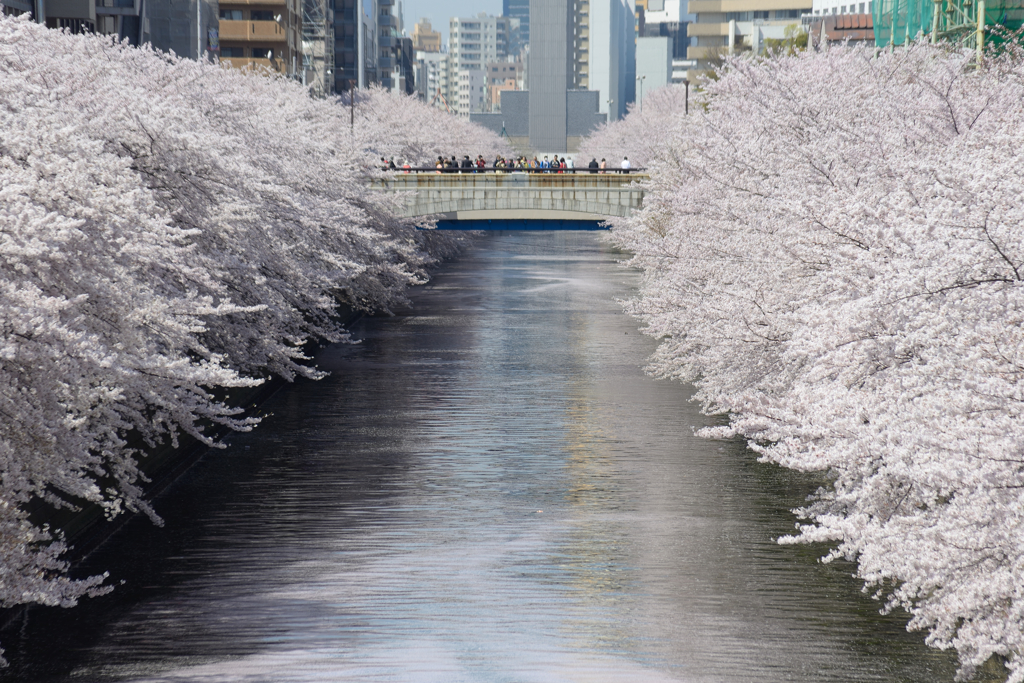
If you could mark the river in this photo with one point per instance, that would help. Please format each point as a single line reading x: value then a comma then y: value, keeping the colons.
x: 487, y: 488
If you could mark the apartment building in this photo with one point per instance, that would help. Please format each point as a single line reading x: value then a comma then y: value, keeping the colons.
x: 261, y: 33
x: 425, y: 38
x: 473, y: 43
x: 470, y: 91
x: 728, y: 26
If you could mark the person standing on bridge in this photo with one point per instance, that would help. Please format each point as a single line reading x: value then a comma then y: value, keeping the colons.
x: 625, y: 164
x: 604, y: 165
x: 593, y: 165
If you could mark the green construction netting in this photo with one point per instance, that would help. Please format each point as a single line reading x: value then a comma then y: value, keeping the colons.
x: 896, y: 21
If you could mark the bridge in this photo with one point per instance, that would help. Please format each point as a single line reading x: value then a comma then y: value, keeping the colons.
x: 517, y: 200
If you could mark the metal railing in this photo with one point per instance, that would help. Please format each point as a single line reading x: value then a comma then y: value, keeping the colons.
x: 505, y: 171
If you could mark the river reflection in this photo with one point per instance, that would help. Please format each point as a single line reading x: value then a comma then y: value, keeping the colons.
x: 487, y: 488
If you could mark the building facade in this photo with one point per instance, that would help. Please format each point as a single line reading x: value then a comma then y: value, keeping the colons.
x: 610, y: 54
x: 188, y: 27
x: 355, y: 44
x: 723, y: 27
x: 268, y: 34
x: 425, y: 38
x: 823, y: 7
x: 519, y: 9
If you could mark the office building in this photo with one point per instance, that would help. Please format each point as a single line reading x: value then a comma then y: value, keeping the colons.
x: 355, y: 44
x: 609, y: 54
x: 519, y: 9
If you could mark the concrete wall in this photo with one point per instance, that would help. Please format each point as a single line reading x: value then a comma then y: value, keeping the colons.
x: 550, y: 54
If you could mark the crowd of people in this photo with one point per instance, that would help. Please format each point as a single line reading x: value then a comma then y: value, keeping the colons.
x: 522, y: 164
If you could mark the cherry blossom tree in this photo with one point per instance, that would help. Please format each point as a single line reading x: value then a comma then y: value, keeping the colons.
x: 831, y: 253
x: 169, y: 230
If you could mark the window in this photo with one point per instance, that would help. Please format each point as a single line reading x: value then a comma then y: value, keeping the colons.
x: 861, y: 10
x: 262, y: 15
x: 739, y: 16
x: 787, y: 14
x: 262, y: 53
x: 843, y: 10
x: 760, y: 15
x: 231, y: 14
x: 231, y: 52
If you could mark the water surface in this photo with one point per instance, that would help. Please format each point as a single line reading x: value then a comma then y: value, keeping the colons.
x: 486, y: 489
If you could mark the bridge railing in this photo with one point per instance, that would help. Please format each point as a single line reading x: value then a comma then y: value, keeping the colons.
x: 505, y: 171
x: 480, y: 194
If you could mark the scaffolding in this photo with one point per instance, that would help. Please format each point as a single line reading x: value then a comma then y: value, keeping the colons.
x: 317, y: 47
x: 963, y: 22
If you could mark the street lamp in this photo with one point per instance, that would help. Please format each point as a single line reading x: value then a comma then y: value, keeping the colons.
x: 642, y: 79
x: 610, y: 103
x: 686, y: 82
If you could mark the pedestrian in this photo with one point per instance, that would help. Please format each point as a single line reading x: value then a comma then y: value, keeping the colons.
x: 625, y: 164
x: 604, y: 165
x: 593, y: 166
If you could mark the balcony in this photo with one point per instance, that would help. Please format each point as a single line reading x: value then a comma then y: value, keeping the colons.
x: 253, y: 63
x: 259, y: 31
x: 709, y: 29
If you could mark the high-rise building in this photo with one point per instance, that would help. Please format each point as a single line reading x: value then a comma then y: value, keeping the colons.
x: 606, y: 60
x: 743, y: 27
x: 425, y: 38
x: 355, y: 44
x: 473, y: 42
x: 519, y: 9
x: 389, y: 44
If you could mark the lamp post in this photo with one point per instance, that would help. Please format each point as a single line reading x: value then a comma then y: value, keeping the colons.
x: 686, y: 82
x: 642, y: 79
x: 610, y: 103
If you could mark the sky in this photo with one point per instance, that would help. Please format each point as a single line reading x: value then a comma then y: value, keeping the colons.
x: 440, y: 11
